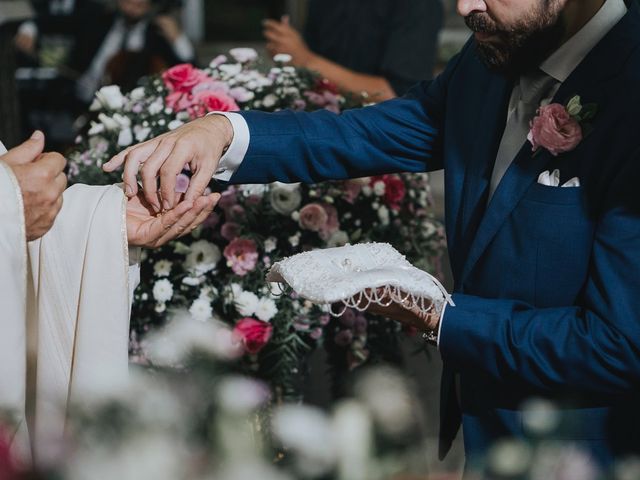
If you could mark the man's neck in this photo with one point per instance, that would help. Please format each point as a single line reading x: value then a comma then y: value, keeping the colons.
x: 577, y: 13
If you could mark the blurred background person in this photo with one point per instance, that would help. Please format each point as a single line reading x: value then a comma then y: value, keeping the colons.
x: 381, y: 47
x: 141, y: 37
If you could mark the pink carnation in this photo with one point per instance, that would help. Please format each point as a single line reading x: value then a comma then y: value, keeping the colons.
x: 183, y: 78
x: 554, y: 130
x: 253, y: 334
x: 241, y: 255
x: 332, y: 225
x: 313, y: 217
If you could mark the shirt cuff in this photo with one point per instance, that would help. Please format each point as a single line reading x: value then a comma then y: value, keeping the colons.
x: 444, y: 307
x: 183, y: 48
x: 231, y: 160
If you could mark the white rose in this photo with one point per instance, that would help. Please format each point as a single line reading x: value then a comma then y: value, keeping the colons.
x: 243, y: 55
x: 379, y: 188
x: 270, y: 244
x: 269, y: 101
x: 201, y: 310
x: 203, y: 257
x: 285, y: 200
x: 163, y: 291
x: 111, y: 97
x: 266, y: 309
x: 125, y: 138
x: 282, y: 58
x: 162, y: 268
x: 246, y: 303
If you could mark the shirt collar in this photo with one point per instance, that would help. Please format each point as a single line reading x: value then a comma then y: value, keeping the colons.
x: 563, y: 61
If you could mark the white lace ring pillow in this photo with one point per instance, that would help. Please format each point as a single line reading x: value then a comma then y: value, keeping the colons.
x: 357, y: 276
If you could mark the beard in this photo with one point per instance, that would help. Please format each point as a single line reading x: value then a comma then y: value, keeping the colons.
x: 520, y: 48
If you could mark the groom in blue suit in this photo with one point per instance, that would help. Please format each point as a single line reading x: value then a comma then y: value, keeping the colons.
x: 547, y: 278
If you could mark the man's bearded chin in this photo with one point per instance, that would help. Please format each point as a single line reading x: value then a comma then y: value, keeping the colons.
x: 519, y: 49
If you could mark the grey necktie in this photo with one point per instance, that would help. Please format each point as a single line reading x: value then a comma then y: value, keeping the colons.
x: 531, y: 90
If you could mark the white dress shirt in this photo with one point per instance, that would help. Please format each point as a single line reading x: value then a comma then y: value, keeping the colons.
x: 559, y: 65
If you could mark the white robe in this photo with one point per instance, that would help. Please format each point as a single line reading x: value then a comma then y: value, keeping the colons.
x: 64, y: 310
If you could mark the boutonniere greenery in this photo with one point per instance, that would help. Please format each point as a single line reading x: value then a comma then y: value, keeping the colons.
x: 560, y: 128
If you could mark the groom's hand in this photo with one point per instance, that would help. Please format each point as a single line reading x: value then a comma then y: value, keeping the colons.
x: 409, y: 316
x: 145, y: 228
x: 42, y: 181
x: 199, y: 144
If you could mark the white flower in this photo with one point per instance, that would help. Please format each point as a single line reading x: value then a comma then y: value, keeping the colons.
x: 246, y: 303
x: 266, y: 309
x: 156, y: 107
x: 203, y: 257
x: 162, y: 268
x: 282, y: 58
x: 96, y: 129
x: 109, y: 123
x: 137, y: 94
x: 289, y: 69
x: 295, y: 216
x: 241, y: 395
x: 338, y: 239
x: 241, y: 94
x: 175, y: 124
x: 125, y: 138
x: 141, y: 133
x: 366, y: 191
x: 383, y: 215
x: 269, y: 101
x: 243, y: 55
x: 251, y: 190
x: 379, y: 188
x: 230, y: 70
x: 208, y: 293
x: 122, y: 120
x: 111, y: 97
x: 201, y: 310
x: 163, y: 290
x: 193, y: 281
x: 270, y: 244
x: 295, y: 240
x: 236, y: 289
x: 285, y: 199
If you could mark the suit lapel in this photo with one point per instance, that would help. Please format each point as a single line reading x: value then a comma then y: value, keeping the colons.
x: 602, y: 63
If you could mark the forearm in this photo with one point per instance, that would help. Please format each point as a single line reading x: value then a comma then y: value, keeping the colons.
x: 377, y: 88
x: 549, y: 350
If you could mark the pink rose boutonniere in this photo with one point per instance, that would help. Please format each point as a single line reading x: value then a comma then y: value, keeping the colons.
x: 559, y: 128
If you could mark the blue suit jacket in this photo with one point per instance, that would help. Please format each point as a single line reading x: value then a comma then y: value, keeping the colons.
x: 547, y: 280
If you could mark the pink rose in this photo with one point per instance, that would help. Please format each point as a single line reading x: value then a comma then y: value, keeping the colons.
x: 230, y: 231
x: 352, y: 189
x: 210, y: 101
x: 313, y: 217
x: 554, y: 130
x: 241, y: 255
x: 253, y: 334
x: 178, y: 101
x: 183, y: 77
x: 333, y: 224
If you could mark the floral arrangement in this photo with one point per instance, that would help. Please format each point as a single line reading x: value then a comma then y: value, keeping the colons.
x: 218, y: 272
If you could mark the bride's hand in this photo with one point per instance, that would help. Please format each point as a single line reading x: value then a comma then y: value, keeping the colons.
x: 145, y: 228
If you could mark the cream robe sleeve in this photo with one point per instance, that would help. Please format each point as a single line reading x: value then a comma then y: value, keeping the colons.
x: 65, y: 310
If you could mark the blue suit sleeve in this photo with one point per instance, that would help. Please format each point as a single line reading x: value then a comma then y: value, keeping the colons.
x: 593, y: 346
x: 401, y: 135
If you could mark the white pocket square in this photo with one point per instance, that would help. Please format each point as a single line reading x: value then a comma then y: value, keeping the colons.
x: 553, y: 179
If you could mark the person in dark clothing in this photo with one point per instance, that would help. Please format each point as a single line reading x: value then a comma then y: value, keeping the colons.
x: 381, y: 47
